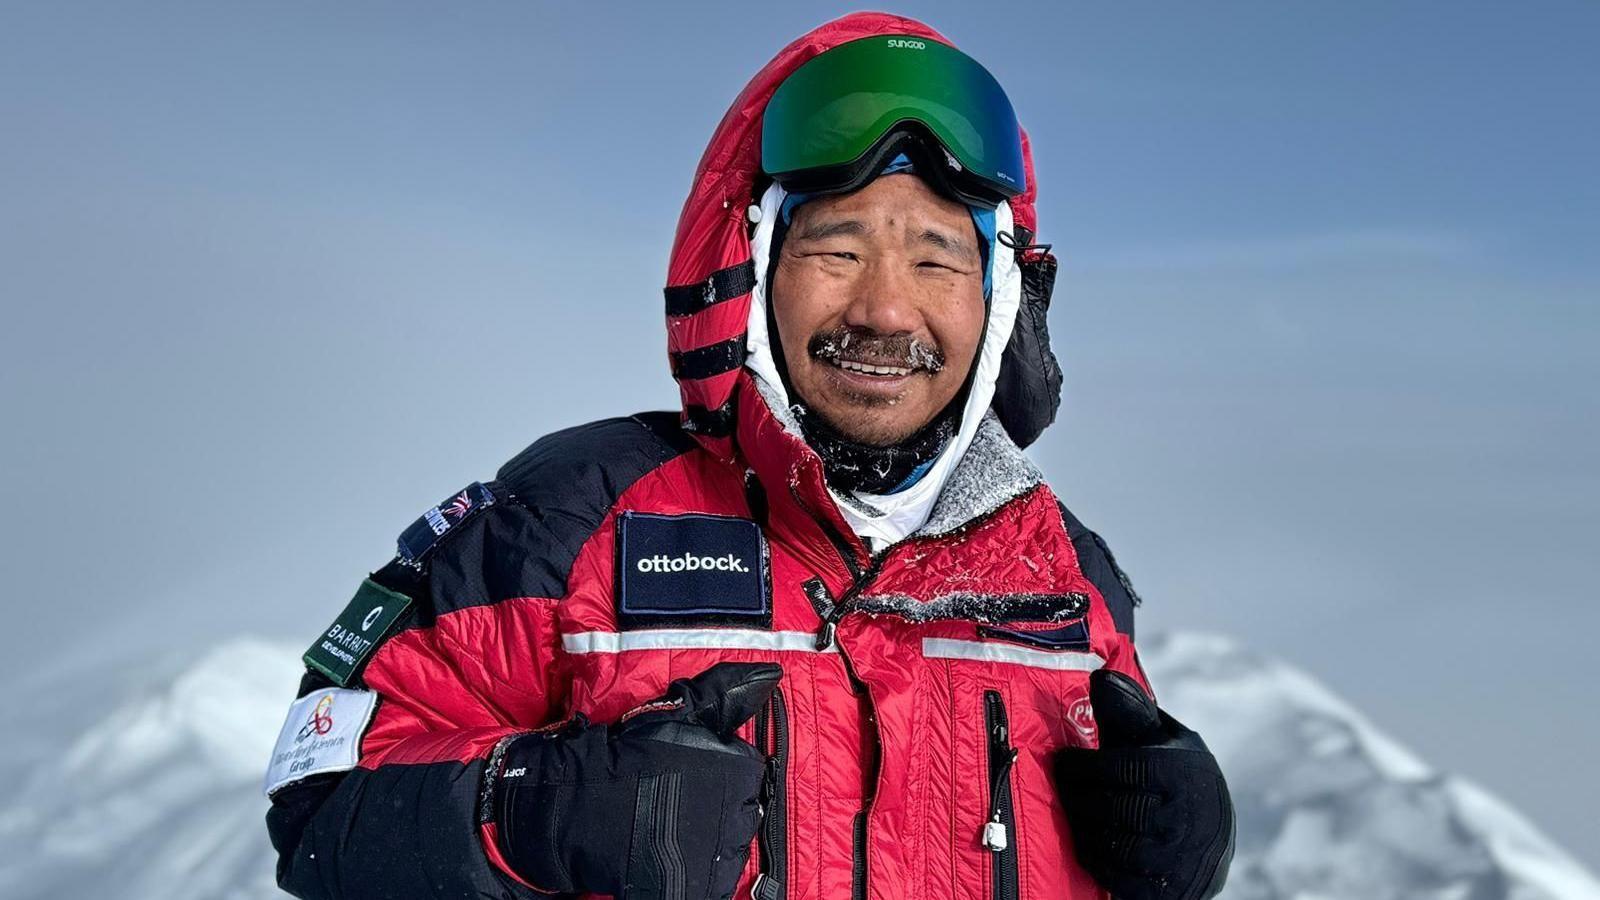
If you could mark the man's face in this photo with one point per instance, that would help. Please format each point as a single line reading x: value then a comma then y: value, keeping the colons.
x: 878, y: 299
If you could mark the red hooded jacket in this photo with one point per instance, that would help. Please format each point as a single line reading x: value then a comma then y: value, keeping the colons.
x: 925, y: 689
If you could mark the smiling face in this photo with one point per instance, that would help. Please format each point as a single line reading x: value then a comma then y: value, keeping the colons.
x: 878, y: 299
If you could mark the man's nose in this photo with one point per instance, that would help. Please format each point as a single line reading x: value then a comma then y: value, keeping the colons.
x: 884, y: 301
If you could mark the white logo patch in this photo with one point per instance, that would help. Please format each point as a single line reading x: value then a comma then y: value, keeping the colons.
x: 1081, y: 715
x: 321, y: 734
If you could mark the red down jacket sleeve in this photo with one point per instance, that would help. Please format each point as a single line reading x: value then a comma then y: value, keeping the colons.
x: 474, y: 659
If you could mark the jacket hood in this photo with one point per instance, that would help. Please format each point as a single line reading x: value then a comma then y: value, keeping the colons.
x: 718, y: 350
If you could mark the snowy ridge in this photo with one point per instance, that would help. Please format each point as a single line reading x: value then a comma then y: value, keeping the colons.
x: 161, y: 798
x: 1331, y: 807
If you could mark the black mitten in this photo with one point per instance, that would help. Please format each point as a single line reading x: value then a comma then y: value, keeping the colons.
x: 1150, y: 813
x: 662, y: 804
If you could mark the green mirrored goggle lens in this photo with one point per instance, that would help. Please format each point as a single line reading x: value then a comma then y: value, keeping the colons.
x: 832, y: 109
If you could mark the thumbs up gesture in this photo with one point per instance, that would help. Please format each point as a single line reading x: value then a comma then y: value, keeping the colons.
x: 662, y: 803
x: 1150, y: 813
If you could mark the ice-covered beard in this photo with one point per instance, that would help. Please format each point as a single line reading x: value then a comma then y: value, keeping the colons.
x: 860, y: 350
x: 874, y: 462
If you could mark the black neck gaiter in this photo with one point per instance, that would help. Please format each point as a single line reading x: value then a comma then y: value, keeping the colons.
x: 852, y: 466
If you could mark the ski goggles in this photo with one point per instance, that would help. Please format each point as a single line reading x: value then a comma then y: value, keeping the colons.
x: 833, y: 123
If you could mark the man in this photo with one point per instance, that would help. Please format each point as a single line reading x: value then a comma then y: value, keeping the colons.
x: 825, y: 632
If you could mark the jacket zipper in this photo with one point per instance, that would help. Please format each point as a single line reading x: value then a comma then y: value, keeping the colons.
x: 1005, y: 878
x: 859, y: 580
x: 862, y: 581
x: 772, y: 736
x: 841, y: 545
x: 858, y: 866
x: 1000, y: 831
x: 825, y: 638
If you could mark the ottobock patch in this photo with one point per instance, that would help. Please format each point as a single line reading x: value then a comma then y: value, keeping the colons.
x: 1050, y: 636
x: 418, y: 540
x: 321, y: 734
x: 691, y: 569
x: 343, y: 649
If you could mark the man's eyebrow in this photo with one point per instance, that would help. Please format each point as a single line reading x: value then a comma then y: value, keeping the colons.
x: 816, y: 231
x: 948, y: 243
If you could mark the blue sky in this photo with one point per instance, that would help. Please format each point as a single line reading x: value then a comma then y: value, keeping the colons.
x: 276, y: 277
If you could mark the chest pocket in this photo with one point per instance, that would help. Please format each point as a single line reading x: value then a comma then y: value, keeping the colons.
x: 1045, y: 631
x: 1073, y: 635
x: 1015, y: 675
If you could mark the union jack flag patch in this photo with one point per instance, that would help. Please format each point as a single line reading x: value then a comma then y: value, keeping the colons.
x: 418, y: 540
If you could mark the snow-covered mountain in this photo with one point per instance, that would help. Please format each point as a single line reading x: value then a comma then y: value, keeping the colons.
x: 161, y: 798
x: 1330, y: 807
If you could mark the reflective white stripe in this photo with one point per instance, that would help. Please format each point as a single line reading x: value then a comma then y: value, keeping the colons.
x: 690, y: 639
x: 992, y: 651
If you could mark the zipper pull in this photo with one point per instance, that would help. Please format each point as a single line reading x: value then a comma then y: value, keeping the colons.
x: 994, y: 835
x: 825, y: 634
x: 765, y: 888
x: 994, y: 830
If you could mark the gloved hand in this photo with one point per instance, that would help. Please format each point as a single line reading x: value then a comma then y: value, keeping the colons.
x: 1149, y: 810
x: 659, y: 806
